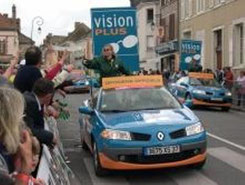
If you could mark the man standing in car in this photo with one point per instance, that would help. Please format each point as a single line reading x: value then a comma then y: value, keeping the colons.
x: 108, y: 65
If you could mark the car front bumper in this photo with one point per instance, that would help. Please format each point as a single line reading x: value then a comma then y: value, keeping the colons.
x: 211, y: 103
x: 133, y: 158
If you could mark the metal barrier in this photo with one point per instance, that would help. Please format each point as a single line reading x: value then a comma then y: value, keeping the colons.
x: 52, y: 167
x: 238, y: 95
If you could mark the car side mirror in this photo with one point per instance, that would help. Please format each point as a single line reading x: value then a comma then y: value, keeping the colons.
x: 183, y: 84
x: 86, y: 110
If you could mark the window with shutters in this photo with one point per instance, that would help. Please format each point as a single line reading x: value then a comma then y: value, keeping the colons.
x: 239, y: 44
x: 2, y: 47
x: 200, y: 6
x: 163, y: 24
x: 186, y: 8
x: 150, y: 42
x: 172, y: 27
x: 217, y: 2
x: 150, y: 15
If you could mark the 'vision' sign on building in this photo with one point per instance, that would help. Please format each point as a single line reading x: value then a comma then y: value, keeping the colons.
x: 118, y: 27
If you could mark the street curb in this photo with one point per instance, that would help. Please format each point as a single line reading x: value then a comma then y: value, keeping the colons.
x: 238, y: 109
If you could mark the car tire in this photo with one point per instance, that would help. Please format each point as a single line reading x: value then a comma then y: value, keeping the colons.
x: 84, y: 145
x: 226, y: 109
x: 198, y: 166
x: 99, y: 171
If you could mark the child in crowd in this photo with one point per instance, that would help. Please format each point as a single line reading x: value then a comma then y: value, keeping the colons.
x: 27, y: 178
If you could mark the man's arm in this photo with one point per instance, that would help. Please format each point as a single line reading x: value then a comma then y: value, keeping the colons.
x: 92, y: 64
x: 44, y: 136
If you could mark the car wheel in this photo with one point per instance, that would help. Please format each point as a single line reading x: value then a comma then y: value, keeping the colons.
x: 198, y: 166
x: 99, y: 171
x: 84, y: 145
x: 225, y: 109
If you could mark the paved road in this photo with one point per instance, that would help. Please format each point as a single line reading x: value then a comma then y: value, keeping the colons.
x: 226, y: 154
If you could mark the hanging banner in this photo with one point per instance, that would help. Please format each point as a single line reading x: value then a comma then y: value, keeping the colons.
x: 116, y: 26
x: 190, y: 54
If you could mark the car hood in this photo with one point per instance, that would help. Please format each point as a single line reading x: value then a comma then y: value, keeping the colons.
x: 210, y: 88
x: 148, y: 119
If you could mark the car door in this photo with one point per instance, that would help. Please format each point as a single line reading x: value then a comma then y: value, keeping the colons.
x: 89, y: 120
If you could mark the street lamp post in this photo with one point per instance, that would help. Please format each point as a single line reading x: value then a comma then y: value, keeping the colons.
x: 39, y: 21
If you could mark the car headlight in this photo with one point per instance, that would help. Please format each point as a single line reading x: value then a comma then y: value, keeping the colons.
x: 228, y: 93
x: 194, y: 129
x: 116, y: 134
x: 87, y: 83
x: 196, y: 91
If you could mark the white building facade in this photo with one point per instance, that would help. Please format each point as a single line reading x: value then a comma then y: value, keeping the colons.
x: 147, y: 34
x: 219, y: 24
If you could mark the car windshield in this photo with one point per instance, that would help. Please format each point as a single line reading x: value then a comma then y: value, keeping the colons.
x: 137, y: 99
x: 204, y: 82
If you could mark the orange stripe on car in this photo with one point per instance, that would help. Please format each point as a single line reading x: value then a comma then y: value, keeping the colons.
x: 198, y: 102
x: 108, y: 163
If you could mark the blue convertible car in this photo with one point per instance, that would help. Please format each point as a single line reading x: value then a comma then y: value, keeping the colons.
x: 201, y: 89
x: 140, y: 126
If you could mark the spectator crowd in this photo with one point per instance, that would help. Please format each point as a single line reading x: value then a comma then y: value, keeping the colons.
x: 26, y: 96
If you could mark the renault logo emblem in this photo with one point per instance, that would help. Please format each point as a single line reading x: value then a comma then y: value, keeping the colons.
x: 160, y: 136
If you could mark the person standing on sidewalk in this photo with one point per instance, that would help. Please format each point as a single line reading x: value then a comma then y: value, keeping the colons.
x: 241, y: 89
x: 228, y: 78
x: 107, y: 65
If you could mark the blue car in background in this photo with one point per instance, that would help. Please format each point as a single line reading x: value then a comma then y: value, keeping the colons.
x: 140, y: 127
x: 201, y: 89
x: 83, y: 85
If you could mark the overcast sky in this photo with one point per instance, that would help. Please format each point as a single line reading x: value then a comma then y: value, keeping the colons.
x: 59, y: 15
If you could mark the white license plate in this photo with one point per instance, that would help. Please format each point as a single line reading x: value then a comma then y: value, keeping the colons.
x: 162, y: 150
x: 217, y: 99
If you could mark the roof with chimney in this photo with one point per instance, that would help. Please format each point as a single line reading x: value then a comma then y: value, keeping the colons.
x: 8, y: 24
x: 54, y: 39
x: 80, y: 30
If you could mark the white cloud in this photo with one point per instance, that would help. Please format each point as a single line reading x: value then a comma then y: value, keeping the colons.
x: 59, y: 15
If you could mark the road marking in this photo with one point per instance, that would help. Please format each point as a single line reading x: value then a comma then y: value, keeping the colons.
x: 226, y: 141
x: 191, y: 177
x: 111, y: 180
x: 234, y: 159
